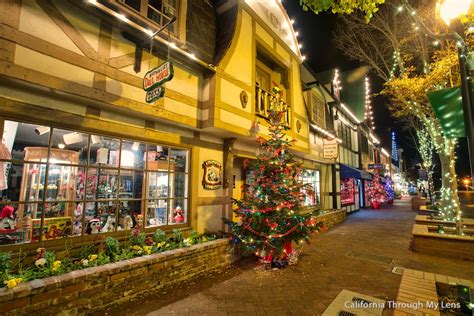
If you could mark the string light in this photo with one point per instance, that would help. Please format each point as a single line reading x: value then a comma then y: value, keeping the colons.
x: 368, y: 114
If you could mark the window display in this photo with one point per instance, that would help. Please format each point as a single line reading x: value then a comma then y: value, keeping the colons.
x: 347, y: 191
x: 56, y: 183
x: 311, y: 177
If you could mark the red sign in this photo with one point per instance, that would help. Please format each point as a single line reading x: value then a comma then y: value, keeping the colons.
x: 157, y: 76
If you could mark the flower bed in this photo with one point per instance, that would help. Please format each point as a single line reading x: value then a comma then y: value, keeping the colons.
x: 95, y: 288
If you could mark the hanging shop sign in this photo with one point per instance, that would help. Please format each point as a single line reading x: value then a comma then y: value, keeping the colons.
x: 155, y: 78
x: 212, y: 175
x: 154, y: 94
x: 330, y: 149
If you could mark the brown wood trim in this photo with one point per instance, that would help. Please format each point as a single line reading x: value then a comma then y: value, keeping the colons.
x: 126, y: 60
x: 10, y: 12
x: 105, y: 41
x: 210, y: 200
x: 7, y: 50
x: 100, y: 82
x: 29, y: 75
x: 67, y: 28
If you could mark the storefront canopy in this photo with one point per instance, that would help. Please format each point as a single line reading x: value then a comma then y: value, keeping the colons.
x: 351, y: 172
x: 447, y: 104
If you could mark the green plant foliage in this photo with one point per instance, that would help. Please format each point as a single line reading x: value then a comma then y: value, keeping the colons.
x: 138, y: 239
x: 367, y: 7
x: 159, y: 236
x: 194, y: 237
x: 178, y: 237
x: 112, y: 247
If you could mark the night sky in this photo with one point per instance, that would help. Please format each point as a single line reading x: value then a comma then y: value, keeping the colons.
x: 316, y: 33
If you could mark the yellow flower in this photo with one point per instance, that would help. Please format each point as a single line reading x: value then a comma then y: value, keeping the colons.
x: 92, y: 257
x: 11, y: 283
x: 56, y: 265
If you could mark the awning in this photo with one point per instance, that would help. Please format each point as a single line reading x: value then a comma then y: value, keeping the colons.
x: 447, y: 105
x: 351, y: 172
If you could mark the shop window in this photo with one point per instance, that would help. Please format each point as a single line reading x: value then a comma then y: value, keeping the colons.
x: 347, y: 191
x: 158, y: 11
x: 312, y: 177
x: 56, y: 183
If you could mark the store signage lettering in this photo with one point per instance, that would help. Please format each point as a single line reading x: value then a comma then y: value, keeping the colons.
x: 330, y: 149
x: 154, y: 94
x: 157, y: 76
x: 375, y: 166
x: 212, y: 175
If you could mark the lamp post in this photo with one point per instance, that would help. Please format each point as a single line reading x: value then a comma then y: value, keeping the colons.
x: 450, y: 10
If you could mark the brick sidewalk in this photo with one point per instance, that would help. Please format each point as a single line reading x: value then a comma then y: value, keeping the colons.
x: 357, y: 256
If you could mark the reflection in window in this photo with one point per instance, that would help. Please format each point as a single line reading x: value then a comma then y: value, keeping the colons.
x: 56, y: 183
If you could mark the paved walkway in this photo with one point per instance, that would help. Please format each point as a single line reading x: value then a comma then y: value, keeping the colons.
x: 357, y: 255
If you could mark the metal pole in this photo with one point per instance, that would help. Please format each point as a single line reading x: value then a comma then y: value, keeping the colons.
x: 467, y: 106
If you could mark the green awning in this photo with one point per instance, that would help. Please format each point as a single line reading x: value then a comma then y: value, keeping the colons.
x: 447, y: 104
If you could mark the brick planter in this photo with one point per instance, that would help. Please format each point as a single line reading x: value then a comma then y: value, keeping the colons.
x: 94, y: 289
x: 332, y: 218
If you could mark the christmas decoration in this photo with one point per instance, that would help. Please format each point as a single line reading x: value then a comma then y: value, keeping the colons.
x: 376, y: 192
x: 389, y: 191
x: 270, y: 219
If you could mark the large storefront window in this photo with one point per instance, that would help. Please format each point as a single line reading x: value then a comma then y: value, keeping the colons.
x: 347, y: 191
x: 312, y: 177
x: 56, y: 183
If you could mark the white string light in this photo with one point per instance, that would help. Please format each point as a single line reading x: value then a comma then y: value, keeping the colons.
x: 368, y: 114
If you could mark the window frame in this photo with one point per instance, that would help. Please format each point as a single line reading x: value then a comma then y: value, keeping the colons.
x: 94, y: 166
x: 316, y: 192
x: 180, y: 30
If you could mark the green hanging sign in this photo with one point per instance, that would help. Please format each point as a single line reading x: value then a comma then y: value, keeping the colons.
x: 153, y: 80
x: 447, y: 105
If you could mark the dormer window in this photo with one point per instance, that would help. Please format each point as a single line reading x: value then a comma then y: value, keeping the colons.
x: 158, y: 11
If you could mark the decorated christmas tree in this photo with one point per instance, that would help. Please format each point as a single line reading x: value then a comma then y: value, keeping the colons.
x: 376, y: 192
x: 270, y: 214
x: 389, y: 190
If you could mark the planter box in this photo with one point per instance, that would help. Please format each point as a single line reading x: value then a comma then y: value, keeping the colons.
x: 332, y: 218
x: 442, y: 245
x: 416, y: 202
x: 426, y: 220
x: 94, y: 289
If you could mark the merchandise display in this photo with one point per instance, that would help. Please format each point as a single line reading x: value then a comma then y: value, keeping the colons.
x: 56, y: 183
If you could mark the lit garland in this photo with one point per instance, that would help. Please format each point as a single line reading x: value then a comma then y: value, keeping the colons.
x: 394, y: 148
x: 395, y: 63
x: 368, y: 114
x: 336, y: 84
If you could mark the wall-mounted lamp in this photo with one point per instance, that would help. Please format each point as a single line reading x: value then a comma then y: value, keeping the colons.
x: 41, y: 130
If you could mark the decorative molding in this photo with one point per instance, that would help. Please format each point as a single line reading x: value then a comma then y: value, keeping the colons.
x: 244, y: 99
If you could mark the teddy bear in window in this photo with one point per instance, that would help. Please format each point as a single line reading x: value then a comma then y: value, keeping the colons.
x: 93, y: 226
x: 7, y: 220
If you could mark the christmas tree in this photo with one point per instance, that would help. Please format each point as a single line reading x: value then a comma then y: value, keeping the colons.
x: 389, y: 190
x: 376, y: 192
x: 269, y: 215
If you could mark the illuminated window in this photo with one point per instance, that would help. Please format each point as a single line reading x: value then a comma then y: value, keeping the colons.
x: 158, y: 11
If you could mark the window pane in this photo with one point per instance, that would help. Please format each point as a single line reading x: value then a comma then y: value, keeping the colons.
x: 32, y: 182
x: 157, y: 185
x: 68, y: 147
x: 104, y: 151
x: 101, y: 184
x: 19, y: 136
x: 10, y: 181
x: 130, y: 210
x: 131, y: 183
x: 16, y: 224
x: 133, y: 155
x: 63, y: 183
x: 134, y: 4
x: 179, y: 185
x: 179, y: 211
x: 157, y: 157
x: 156, y: 212
x: 97, y: 215
x: 58, y: 221
x: 179, y: 160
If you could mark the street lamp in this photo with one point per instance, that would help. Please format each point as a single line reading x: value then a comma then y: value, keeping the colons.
x: 466, y: 183
x: 449, y: 10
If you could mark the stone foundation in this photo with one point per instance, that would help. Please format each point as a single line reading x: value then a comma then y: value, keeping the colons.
x: 333, y: 218
x: 94, y: 289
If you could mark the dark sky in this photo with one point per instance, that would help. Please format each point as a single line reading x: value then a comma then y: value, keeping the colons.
x: 316, y: 33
